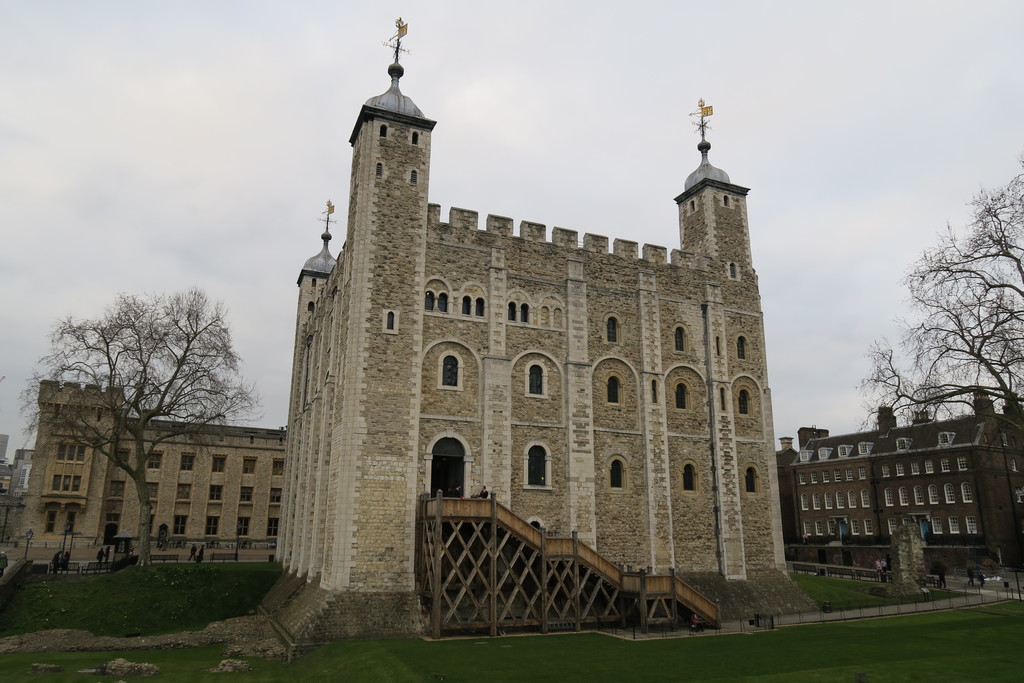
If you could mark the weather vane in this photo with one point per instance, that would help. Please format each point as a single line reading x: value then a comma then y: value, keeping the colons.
x: 326, y: 220
x: 704, y: 112
x: 401, y: 28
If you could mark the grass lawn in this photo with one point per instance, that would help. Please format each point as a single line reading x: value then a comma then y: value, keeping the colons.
x: 851, y: 594
x: 149, y: 601
x: 973, y: 645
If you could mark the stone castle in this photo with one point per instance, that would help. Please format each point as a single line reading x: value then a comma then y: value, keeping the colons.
x: 619, y: 395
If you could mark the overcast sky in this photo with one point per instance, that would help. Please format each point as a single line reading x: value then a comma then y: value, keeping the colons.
x: 150, y: 147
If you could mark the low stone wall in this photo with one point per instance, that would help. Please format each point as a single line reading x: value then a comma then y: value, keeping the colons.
x: 15, y: 573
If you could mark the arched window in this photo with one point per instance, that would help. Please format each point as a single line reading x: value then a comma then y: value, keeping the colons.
x: 889, y: 499
x: 615, y: 474
x: 383, y: 131
x: 380, y: 170
x: 966, y: 493
x: 310, y: 307
x: 933, y: 494
x: 654, y: 391
x: 904, y: 496
x: 851, y: 498
x: 718, y: 346
x: 732, y: 269
x: 613, y: 389
x: 744, y: 402
x: 865, y: 498
x: 480, y: 307
x: 442, y: 302
x: 689, y: 478
x: 725, y: 200
x: 680, y: 340
x: 918, y: 495
x: 536, y: 466
x: 467, y: 305
x: 415, y: 138
x: 536, y: 379
x: 524, y: 313
x: 750, y: 479
x: 450, y: 371
x: 613, y: 330
x: 741, y: 347
x: 950, y: 493
x: 721, y: 397
x: 391, y: 320
x: 512, y: 311
x: 413, y: 178
x: 681, y: 396
x: 428, y: 301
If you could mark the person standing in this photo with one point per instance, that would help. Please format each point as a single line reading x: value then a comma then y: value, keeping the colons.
x: 199, y: 556
x: 970, y: 576
x: 106, y: 554
x: 100, y: 555
x: 192, y: 554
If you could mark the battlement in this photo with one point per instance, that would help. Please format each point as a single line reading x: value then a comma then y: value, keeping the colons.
x: 563, y: 237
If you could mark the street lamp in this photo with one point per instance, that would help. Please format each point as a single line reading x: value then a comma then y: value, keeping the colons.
x: 238, y: 535
x: 28, y: 541
x: 67, y: 530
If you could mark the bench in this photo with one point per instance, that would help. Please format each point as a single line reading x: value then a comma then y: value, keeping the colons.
x: 561, y: 626
x: 221, y: 557
x: 95, y: 568
x: 173, y: 557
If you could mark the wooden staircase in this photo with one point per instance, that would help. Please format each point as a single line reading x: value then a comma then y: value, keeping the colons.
x: 481, y: 568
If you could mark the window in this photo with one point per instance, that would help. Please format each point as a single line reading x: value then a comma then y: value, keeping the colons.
x: 153, y: 463
x: 929, y: 467
x: 184, y: 492
x: 216, y: 490
x: 845, y: 450
x: 946, y: 438
x: 950, y: 493
x: 803, y: 501
x: 741, y: 347
x: 837, y: 475
x: 972, y: 524
x: 654, y: 391
x: 273, y: 523
x: 840, y: 500
x: 818, y: 528
x: 383, y: 131
x: 415, y: 138
x: 865, y: 498
x: 117, y: 489
x: 915, y: 468
x: 814, y: 477
x: 681, y: 396
x: 892, y: 526
x: 154, y: 489
x: 524, y: 313
x: 828, y: 500
x: 536, y: 380
x: 536, y: 466
x: 217, y: 464
x: 903, y: 444
x: 750, y: 479
x: 805, y: 456
x: 855, y: 527
x: 615, y: 474
x: 802, y: 477
x: 886, y: 472
x: 55, y: 485
x: 721, y: 397
x: 944, y: 465
x: 442, y: 302
x: 831, y: 527
x: 51, y: 520
x: 823, y: 453
x: 807, y: 528
x: 249, y: 466
x: 389, y: 321
x: 690, y: 481
x: 413, y: 177
x: 613, y: 389
x: 899, y: 469
x: 245, y: 494
x: 613, y: 329
x: 889, y: 500
x: 904, y: 496
x: 864, y: 448
x: 744, y: 402
x: 76, y: 482
x: 480, y: 308
x: 450, y: 372
x: 180, y: 523
x: 851, y: 498
x: 379, y: 171
x: 936, y: 525
x: 918, y: 495
x: 869, y: 527
x: 732, y: 266
x: 275, y: 495
x: 428, y: 301
x: 467, y: 305
x: 242, y: 527
x: 824, y: 476
x: 954, y: 525
x: 511, y: 311
x: 849, y: 474
x: 187, y: 461
x: 680, y: 339
x: 212, y: 525
x: 933, y: 494
x: 278, y: 467
x: 816, y: 501
x: 71, y: 452
x: 966, y: 494
x: 862, y: 473
x: 961, y: 463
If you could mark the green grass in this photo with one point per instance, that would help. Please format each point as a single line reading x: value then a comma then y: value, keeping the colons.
x: 971, y: 645
x: 149, y: 601
x: 851, y: 594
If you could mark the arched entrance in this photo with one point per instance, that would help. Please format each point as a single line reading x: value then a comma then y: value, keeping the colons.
x: 447, y: 471
x: 109, y: 531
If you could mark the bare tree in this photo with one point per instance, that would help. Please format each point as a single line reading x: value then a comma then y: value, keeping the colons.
x: 164, y: 361
x: 966, y: 336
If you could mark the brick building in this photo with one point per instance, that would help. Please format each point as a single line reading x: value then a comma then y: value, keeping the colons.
x: 618, y: 394
x: 959, y: 481
x: 208, y: 486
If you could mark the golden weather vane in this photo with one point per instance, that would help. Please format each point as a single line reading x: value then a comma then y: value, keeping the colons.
x: 401, y: 28
x: 704, y: 112
x: 326, y: 220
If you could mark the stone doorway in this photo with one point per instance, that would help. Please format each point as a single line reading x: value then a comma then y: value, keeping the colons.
x: 447, y: 468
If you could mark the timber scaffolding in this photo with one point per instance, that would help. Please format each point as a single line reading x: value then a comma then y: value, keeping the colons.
x: 480, y: 567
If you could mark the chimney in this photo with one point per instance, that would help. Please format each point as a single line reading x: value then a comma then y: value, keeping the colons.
x: 983, y: 404
x: 785, y: 443
x: 805, y: 434
x: 921, y: 417
x: 886, y: 419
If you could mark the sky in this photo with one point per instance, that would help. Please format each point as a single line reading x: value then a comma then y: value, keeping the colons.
x: 150, y: 147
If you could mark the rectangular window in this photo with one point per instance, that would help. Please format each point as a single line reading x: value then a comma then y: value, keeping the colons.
x: 849, y: 474
x: 816, y: 501
x: 840, y: 500
x: 76, y: 482
x: 944, y: 465
x: 824, y: 476
x: 272, y: 525
x: 153, y: 489
x: 242, y: 527
x: 278, y: 467
x: 56, y: 482
x: 184, y: 491
x: 814, y: 477
x: 862, y: 473
x: 855, y: 527
x: 844, y: 451
x: 869, y: 527
x: 114, y: 517
x: 961, y: 463
x: 972, y: 524
x: 807, y: 528
x: 864, y: 448
x: 946, y: 438
x: 831, y: 527
x: 212, y: 525
x: 217, y: 464
x: 154, y: 461
x: 249, y: 466
x: 929, y: 467
x: 216, y: 490
x: 892, y: 526
x: 915, y: 468
x: 837, y: 475
x: 187, y: 461
x: 117, y: 489
x: 903, y: 444
x: 828, y: 501
x: 275, y: 495
x: 885, y: 470
x: 936, y: 525
x: 954, y: 525
x: 899, y: 469
x: 802, y: 477
x: 180, y: 522
x: 51, y: 520
x: 245, y: 494
x: 818, y: 528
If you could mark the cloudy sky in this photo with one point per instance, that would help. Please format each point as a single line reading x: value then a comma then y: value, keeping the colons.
x: 150, y: 147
